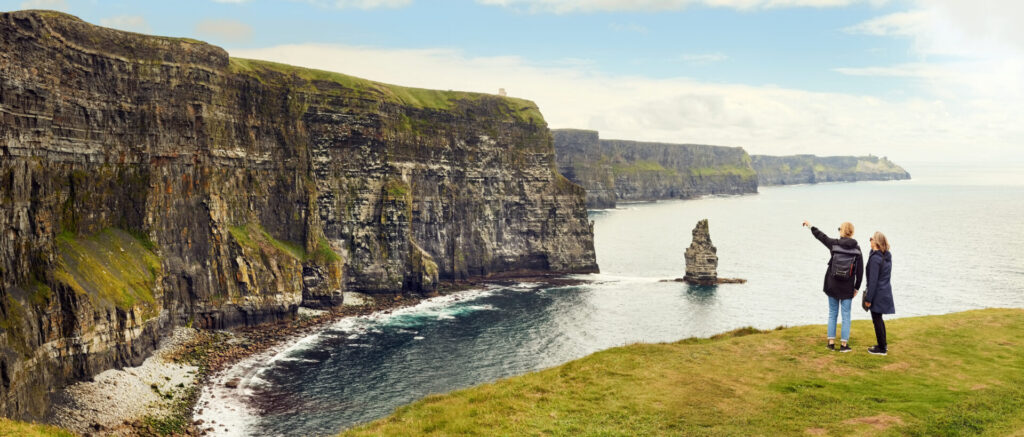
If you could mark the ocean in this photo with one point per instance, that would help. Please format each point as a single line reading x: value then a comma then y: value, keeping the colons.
x: 956, y: 234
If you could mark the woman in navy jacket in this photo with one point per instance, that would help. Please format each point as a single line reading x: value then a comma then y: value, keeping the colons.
x: 878, y: 296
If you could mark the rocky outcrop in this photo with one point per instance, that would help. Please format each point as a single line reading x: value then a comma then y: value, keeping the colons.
x: 701, y: 257
x: 617, y: 170
x: 810, y: 169
x: 148, y: 182
x: 581, y: 159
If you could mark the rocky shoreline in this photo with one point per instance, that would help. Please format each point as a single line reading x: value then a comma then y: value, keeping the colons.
x: 160, y: 397
x: 115, y: 399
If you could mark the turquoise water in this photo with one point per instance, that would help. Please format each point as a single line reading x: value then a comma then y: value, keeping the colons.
x: 956, y: 239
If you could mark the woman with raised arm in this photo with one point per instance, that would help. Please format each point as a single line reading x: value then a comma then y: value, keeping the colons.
x: 878, y: 294
x: 842, y: 279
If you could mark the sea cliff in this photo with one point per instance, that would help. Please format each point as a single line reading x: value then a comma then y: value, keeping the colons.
x: 149, y: 182
x: 618, y: 170
x: 615, y: 170
x: 810, y: 169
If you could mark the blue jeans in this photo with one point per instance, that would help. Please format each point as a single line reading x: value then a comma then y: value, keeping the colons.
x: 833, y: 310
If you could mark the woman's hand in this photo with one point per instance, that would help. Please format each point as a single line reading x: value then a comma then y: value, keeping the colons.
x: 855, y: 293
x: 807, y: 224
x: 867, y: 304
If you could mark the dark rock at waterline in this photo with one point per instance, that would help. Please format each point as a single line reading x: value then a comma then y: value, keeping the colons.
x: 233, y: 383
x: 718, y: 281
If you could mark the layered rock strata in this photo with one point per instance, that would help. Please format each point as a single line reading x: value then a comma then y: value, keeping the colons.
x: 701, y: 257
x: 148, y: 182
x: 617, y: 170
x: 810, y: 169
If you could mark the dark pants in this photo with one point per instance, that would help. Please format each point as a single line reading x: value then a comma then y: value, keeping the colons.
x: 876, y: 318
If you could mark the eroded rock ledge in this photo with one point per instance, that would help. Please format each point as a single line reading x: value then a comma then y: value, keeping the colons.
x: 149, y: 182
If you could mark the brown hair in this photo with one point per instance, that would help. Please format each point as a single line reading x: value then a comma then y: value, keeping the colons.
x: 881, y: 241
x: 846, y: 230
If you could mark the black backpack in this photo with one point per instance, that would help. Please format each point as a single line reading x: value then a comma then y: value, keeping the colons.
x: 844, y: 261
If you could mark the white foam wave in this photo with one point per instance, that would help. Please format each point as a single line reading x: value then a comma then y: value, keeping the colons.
x: 602, y: 278
x: 298, y: 360
x: 229, y: 407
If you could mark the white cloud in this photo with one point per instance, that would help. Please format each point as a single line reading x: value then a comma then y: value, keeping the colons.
x: 899, y: 23
x: 362, y: 4
x: 131, y: 23
x: 224, y: 30
x: 969, y: 53
x: 566, y: 6
x: 763, y: 119
x: 56, y: 5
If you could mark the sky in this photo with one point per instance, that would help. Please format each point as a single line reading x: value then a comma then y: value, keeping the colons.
x: 914, y: 80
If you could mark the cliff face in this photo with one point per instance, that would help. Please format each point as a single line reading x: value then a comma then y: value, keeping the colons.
x: 148, y: 182
x: 613, y: 170
x: 809, y: 169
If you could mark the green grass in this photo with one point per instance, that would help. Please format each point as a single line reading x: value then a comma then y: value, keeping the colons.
x: 724, y: 170
x: 255, y: 237
x: 396, y: 188
x: 950, y: 375
x: 13, y: 428
x: 112, y: 266
x: 323, y: 253
x: 519, y: 109
x: 640, y: 167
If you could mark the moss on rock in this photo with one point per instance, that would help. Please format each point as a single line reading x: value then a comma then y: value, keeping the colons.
x: 111, y: 267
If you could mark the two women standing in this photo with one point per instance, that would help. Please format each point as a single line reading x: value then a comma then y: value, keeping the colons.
x: 843, y: 281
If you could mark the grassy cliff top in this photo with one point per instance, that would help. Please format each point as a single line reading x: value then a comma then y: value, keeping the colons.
x: 100, y: 36
x: 10, y: 427
x: 154, y: 49
x: 956, y: 374
x: 523, y: 110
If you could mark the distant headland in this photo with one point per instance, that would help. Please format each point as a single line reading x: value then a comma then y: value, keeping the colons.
x: 619, y: 170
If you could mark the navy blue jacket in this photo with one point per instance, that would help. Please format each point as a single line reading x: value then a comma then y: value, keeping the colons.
x: 836, y: 288
x: 879, y: 291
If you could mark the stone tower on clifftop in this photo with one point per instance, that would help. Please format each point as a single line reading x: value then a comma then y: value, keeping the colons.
x: 701, y: 257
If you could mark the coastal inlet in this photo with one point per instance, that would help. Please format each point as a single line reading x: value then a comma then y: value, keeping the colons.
x: 364, y: 368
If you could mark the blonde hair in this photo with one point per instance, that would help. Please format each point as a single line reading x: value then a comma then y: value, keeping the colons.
x: 881, y: 241
x: 846, y: 230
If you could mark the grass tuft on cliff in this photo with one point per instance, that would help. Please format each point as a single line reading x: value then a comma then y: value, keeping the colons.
x: 955, y: 374
x: 255, y: 237
x: 111, y: 266
x: 14, y: 428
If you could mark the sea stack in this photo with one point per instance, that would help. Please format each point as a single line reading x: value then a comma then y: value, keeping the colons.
x: 701, y: 257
